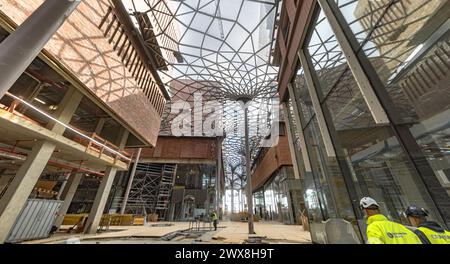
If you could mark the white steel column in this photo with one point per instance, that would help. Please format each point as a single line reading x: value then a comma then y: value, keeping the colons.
x: 367, y: 91
x: 251, y: 228
x: 298, y: 121
x: 218, y: 174
x: 317, y: 107
x: 130, y: 182
x: 292, y: 149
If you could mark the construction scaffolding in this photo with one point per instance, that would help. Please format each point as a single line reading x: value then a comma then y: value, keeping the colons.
x: 151, y: 190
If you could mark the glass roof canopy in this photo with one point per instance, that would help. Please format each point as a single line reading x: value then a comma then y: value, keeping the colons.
x: 221, y: 49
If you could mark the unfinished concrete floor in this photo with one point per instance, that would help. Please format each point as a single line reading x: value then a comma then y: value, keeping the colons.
x: 228, y: 233
x: 275, y: 232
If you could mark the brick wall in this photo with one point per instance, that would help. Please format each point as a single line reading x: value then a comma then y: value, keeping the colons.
x: 182, y: 148
x: 80, y: 45
x: 275, y: 158
x: 286, y: 48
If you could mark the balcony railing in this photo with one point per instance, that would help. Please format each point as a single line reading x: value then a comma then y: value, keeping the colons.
x: 92, y: 142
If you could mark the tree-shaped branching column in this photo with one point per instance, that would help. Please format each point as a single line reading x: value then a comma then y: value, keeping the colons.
x: 220, y: 49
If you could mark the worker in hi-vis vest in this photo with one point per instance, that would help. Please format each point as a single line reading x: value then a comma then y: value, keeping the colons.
x: 429, y: 232
x: 382, y: 231
x: 215, y: 219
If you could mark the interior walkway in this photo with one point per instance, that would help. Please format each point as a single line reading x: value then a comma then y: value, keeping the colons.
x: 228, y: 232
x: 275, y: 232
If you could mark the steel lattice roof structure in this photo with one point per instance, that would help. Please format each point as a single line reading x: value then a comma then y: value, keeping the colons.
x: 221, y: 49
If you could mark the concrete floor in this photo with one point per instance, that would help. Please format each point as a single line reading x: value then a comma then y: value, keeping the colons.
x: 227, y: 233
x: 275, y: 232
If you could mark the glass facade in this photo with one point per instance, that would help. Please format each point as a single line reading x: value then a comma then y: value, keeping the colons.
x: 280, y: 198
x: 410, y: 53
x: 404, y: 47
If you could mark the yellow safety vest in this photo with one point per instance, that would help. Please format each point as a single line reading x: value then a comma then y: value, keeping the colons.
x: 382, y: 231
x: 436, y: 237
x: 214, y: 216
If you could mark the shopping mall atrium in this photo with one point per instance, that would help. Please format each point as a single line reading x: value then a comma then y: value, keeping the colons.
x: 221, y: 121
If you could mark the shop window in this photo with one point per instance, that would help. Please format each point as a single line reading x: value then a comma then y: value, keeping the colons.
x: 314, y: 206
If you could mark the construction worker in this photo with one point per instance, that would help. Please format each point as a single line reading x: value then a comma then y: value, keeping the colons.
x: 215, y: 219
x: 429, y: 232
x: 382, y: 231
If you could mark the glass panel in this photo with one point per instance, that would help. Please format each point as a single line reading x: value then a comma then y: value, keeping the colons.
x: 284, y: 202
x: 363, y: 15
x: 377, y: 163
x: 418, y: 81
x: 270, y: 197
x: 329, y: 64
x: 259, y: 203
x: 294, y: 194
x: 410, y: 51
x: 406, y: 30
x: 277, y: 199
x: 329, y: 180
x: 313, y: 206
x: 303, y: 98
x: 293, y: 125
x: 326, y: 56
x: 375, y: 157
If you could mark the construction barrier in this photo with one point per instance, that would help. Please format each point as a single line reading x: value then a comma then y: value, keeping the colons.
x: 73, y: 219
x: 139, y: 221
x: 152, y: 218
x: 107, y: 219
x: 243, y: 216
x: 35, y: 220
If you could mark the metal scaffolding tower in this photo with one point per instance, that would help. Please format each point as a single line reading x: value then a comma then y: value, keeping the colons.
x: 165, y: 190
x: 151, y: 189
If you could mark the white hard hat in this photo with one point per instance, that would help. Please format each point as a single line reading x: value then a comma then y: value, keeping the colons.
x: 366, y: 202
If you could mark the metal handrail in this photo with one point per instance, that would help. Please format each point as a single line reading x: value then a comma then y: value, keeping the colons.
x: 92, y: 140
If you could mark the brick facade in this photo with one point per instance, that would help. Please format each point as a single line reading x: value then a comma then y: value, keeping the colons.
x: 274, y: 158
x: 294, y: 27
x: 83, y: 49
x: 182, y: 148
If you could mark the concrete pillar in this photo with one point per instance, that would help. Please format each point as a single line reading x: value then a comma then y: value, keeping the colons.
x: 68, y: 194
x: 101, y: 197
x: 67, y: 108
x: 172, y: 212
x: 28, y: 174
x: 23, y: 183
x: 63, y: 187
x: 99, y: 127
x: 122, y: 138
x: 20, y: 48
